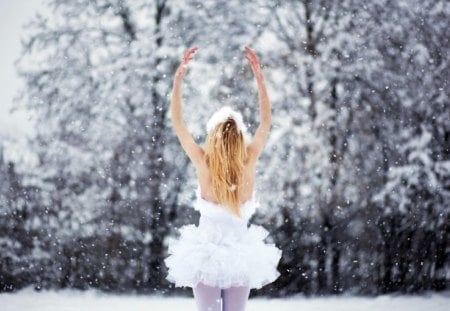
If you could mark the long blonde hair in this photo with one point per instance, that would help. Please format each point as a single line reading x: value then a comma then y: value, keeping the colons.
x: 226, y: 152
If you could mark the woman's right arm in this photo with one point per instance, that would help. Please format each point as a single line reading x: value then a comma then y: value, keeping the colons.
x: 262, y: 132
x: 194, y: 151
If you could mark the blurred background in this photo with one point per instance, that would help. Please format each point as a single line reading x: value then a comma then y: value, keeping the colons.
x: 354, y: 181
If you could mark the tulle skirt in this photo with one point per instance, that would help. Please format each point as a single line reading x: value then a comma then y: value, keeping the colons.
x: 222, y: 255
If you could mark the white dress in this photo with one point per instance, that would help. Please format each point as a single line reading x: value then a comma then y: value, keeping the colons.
x: 222, y: 250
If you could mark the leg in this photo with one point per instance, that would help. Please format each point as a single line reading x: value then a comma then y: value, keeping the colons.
x: 207, y: 297
x: 235, y: 298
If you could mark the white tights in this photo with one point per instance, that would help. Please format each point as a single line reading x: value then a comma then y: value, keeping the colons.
x: 209, y: 298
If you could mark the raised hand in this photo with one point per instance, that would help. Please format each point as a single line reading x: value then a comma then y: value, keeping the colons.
x: 254, y: 63
x: 182, y: 68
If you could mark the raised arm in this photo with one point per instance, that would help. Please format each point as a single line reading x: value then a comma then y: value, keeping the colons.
x: 194, y: 151
x: 262, y: 132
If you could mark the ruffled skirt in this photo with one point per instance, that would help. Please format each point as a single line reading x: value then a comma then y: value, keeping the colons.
x: 222, y: 256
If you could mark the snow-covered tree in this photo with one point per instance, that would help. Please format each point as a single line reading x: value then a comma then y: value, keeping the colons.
x: 99, y: 92
x: 109, y: 166
x: 354, y: 173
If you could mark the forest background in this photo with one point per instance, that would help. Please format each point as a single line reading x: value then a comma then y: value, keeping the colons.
x: 354, y: 181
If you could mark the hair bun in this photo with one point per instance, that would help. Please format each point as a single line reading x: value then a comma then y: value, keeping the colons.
x: 223, y: 115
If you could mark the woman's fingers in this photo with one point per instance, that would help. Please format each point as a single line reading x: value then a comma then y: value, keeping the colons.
x: 251, y: 57
x: 253, y: 60
x: 188, y: 55
x: 251, y: 52
x: 192, y: 51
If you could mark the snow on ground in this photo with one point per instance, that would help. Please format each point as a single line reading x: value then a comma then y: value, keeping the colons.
x: 71, y: 300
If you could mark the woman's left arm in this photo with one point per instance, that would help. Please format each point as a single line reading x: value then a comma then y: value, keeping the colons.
x: 192, y: 149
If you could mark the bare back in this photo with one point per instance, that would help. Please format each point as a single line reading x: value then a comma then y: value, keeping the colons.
x: 205, y: 181
x: 196, y: 153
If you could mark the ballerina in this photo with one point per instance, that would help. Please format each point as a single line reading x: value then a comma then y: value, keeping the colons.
x: 223, y: 258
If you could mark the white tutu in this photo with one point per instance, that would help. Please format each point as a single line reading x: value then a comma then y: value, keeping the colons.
x: 222, y: 250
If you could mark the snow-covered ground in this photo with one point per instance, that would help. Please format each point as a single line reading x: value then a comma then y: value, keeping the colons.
x: 68, y: 300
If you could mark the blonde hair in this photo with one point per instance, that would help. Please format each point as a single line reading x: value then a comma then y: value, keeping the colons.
x: 225, y: 152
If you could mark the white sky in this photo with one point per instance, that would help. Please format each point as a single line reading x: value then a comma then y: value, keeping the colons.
x: 13, y: 14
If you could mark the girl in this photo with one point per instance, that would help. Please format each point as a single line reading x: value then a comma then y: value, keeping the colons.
x: 223, y: 258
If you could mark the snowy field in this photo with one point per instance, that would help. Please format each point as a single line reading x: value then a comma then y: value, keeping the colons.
x: 69, y: 300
